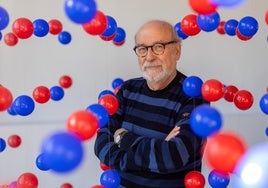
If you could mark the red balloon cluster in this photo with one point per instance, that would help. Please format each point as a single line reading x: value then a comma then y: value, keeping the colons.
x: 213, y: 90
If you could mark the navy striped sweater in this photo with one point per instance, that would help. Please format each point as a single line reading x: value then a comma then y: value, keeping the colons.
x: 145, y: 159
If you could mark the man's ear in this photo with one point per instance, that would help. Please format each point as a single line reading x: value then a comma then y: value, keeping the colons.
x: 178, y: 50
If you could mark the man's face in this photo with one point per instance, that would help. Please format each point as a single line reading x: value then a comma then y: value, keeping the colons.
x: 157, y: 67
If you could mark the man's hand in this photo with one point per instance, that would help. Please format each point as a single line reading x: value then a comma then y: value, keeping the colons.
x: 175, y: 131
x: 118, y: 131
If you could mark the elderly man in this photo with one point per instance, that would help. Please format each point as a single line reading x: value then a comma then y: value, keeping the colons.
x: 149, y: 140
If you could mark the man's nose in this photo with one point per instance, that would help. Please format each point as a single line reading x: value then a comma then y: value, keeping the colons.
x: 150, y: 54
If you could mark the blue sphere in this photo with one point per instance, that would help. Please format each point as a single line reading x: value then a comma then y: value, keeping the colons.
x: 63, y: 151
x: 208, y: 22
x: 111, y: 27
x: 205, y: 120
x: 248, y: 26
x: 41, y: 27
x: 23, y: 105
x: 264, y: 103
x: 2, y: 144
x: 80, y: 11
x: 179, y: 31
x: 230, y: 27
x: 192, y: 86
x: 64, y: 37
x: 110, y: 179
x: 101, y: 113
x: 56, y: 93
x: 4, y: 18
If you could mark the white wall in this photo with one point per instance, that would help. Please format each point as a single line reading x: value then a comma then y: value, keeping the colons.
x: 94, y: 63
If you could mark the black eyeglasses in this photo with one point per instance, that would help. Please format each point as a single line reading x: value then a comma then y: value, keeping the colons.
x: 157, y: 48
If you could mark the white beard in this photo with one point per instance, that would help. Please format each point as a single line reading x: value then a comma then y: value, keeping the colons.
x: 151, y: 74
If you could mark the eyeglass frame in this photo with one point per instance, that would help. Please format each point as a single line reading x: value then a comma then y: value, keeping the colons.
x: 151, y: 46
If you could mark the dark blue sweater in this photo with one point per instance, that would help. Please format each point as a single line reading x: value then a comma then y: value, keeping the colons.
x: 145, y: 159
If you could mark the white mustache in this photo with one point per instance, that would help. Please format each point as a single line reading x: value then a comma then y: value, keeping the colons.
x: 150, y: 64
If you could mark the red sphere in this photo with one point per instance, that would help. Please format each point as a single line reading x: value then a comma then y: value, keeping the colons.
x: 212, y: 90
x: 27, y: 180
x: 66, y: 185
x: 189, y: 25
x: 194, y: 179
x: 104, y: 166
x: 6, y: 98
x: 202, y: 6
x: 41, y: 94
x: 243, y: 99
x: 223, y: 151
x: 14, y: 141
x: 11, y: 39
x: 229, y: 93
x: 55, y: 26
x: 266, y: 17
x: 220, y: 28
x: 65, y: 81
x: 110, y: 102
x: 108, y: 38
x: 23, y: 28
x: 83, y: 123
x: 97, y: 25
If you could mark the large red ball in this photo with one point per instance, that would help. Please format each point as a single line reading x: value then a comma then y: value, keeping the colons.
x: 83, y: 123
x: 223, y: 151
